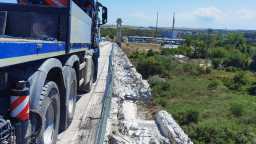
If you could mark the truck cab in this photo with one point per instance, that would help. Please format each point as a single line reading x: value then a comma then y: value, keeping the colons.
x: 47, y: 54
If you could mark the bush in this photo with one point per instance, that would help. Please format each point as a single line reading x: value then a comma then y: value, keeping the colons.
x: 156, y: 79
x: 218, y: 131
x: 193, y: 69
x: 238, y: 60
x: 216, y: 62
x: 237, y: 109
x: 253, y: 64
x: 134, y: 54
x: 240, y: 78
x: 237, y: 82
x: 150, y: 53
x: 160, y: 102
x: 147, y: 67
x: 192, y: 116
x: 232, y: 69
x: 213, y: 85
x: 252, y: 120
x: 252, y: 89
x: 186, y: 117
x: 167, y: 52
x: 219, y: 52
x: 208, y: 70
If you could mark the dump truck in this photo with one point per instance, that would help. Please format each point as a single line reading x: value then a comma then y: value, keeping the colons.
x: 49, y: 51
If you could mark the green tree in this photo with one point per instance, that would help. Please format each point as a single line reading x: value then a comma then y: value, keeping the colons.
x: 238, y: 60
x: 219, y: 52
x: 253, y: 64
x: 186, y: 50
x: 237, y: 41
x: 200, y: 49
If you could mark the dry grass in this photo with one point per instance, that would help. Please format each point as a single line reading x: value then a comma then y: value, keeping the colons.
x: 131, y: 47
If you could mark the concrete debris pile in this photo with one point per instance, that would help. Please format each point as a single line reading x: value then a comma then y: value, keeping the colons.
x: 171, y: 129
x: 130, y: 89
x: 133, y: 86
x: 126, y: 126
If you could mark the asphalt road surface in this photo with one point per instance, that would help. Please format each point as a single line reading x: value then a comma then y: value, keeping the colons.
x: 88, y: 108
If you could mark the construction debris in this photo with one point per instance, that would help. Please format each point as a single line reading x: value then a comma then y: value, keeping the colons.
x: 125, y: 126
x: 171, y: 129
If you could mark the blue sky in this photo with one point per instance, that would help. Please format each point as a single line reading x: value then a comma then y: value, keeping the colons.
x: 230, y: 14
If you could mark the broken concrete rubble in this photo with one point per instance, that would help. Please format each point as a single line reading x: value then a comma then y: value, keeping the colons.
x: 171, y: 129
x: 125, y: 126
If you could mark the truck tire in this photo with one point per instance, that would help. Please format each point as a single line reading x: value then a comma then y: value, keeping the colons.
x: 88, y: 86
x: 95, y: 75
x: 50, y: 112
x: 72, y: 93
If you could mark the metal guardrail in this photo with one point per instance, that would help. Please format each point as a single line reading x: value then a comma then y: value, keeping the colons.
x: 106, y: 103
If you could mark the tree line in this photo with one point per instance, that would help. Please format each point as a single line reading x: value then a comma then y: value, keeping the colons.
x: 111, y: 32
x: 228, y: 50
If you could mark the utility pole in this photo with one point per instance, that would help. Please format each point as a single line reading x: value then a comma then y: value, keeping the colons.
x: 173, y: 23
x: 156, y: 29
x: 119, y: 32
x: 208, y: 47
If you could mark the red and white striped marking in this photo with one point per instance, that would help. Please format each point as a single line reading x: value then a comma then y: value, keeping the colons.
x: 20, y: 107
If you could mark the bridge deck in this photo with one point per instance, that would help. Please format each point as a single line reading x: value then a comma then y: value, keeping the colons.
x: 88, y: 109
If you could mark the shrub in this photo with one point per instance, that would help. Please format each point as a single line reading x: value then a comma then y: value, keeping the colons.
x: 252, y: 120
x: 134, y: 54
x: 213, y: 85
x: 186, y: 117
x: 167, y: 52
x: 156, y: 79
x: 253, y: 64
x: 218, y: 131
x: 232, y: 69
x: 252, y: 89
x: 240, y: 78
x: 216, y: 62
x: 147, y: 67
x: 150, y: 53
x: 192, y: 116
x: 238, y: 60
x: 160, y: 102
x: 237, y: 82
x: 166, y: 86
x: 219, y: 52
x: 193, y: 69
x: 208, y: 70
x: 237, y: 109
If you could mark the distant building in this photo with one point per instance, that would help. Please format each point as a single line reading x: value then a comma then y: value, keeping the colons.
x: 142, y: 28
x: 151, y: 28
x: 250, y: 41
x: 183, y: 34
x: 176, y: 34
x: 138, y: 39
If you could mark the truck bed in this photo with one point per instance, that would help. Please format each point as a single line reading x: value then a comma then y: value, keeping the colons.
x: 15, y: 51
x: 24, y: 40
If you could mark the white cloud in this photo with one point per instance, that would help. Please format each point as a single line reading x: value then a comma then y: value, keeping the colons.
x: 246, y: 14
x: 211, y: 13
x: 139, y: 15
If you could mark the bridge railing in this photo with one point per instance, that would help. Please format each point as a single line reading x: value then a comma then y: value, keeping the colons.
x: 106, y: 103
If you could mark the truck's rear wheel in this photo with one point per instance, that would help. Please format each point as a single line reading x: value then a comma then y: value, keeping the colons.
x: 72, y: 93
x: 95, y: 75
x: 50, y: 112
